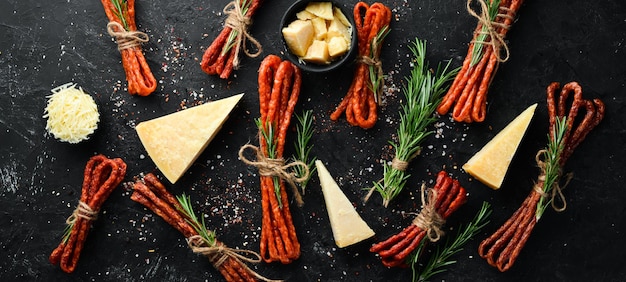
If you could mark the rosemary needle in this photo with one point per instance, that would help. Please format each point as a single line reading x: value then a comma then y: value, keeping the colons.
x: 441, y: 257
x: 67, y: 232
x: 376, y: 80
x: 121, y: 8
x: 423, y: 91
x: 303, y: 148
x: 191, y: 218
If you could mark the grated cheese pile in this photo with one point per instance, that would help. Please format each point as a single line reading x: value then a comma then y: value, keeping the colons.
x: 72, y: 114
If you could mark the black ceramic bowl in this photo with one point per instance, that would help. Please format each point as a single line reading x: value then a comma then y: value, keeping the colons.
x: 290, y: 16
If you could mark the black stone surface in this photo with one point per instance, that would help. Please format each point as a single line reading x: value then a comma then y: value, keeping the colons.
x: 48, y: 43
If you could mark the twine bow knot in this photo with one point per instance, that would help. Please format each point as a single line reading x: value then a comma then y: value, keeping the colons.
x: 239, y: 23
x: 125, y: 39
x: 83, y: 211
x: 491, y: 28
x: 276, y: 167
x: 557, y: 189
x: 428, y: 219
x: 218, y: 254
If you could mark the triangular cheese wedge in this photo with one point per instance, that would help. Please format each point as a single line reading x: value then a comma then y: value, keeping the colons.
x: 174, y: 141
x: 491, y: 163
x: 347, y: 225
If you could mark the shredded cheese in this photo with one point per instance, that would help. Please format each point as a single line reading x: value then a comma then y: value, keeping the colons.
x: 72, y: 114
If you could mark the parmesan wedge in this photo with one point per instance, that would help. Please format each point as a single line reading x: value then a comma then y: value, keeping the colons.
x: 347, y: 225
x: 176, y: 140
x: 491, y: 163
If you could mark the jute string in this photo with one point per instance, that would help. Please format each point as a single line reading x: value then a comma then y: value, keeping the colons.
x: 82, y: 211
x: 557, y: 190
x: 428, y: 219
x: 494, y: 38
x: 399, y: 164
x: 240, y: 23
x: 402, y: 165
x: 277, y: 168
x: 219, y: 254
x: 125, y: 39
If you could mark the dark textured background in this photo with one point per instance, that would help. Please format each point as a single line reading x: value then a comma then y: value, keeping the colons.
x: 48, y: 43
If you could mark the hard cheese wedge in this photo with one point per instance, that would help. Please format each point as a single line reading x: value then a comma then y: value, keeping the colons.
x: 491, y: 163
x: 348, y: 227
x: 174, y: 141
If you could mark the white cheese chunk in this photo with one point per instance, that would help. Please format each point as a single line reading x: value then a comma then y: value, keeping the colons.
x: 176, y: 140
x: 491, y: 163
x: 347, y: 225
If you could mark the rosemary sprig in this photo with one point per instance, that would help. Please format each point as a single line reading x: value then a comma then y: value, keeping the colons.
x: 303, y: 148
x: 441, y: 257
x: 267, y: 132
x: 423, y: 91
x: 376, y: 80
x: 121, y: 8
x: 552, y: 159
x: 230, y: 42
x: 479, y: 43
x: 67, y: 232
x: 191, y: 218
